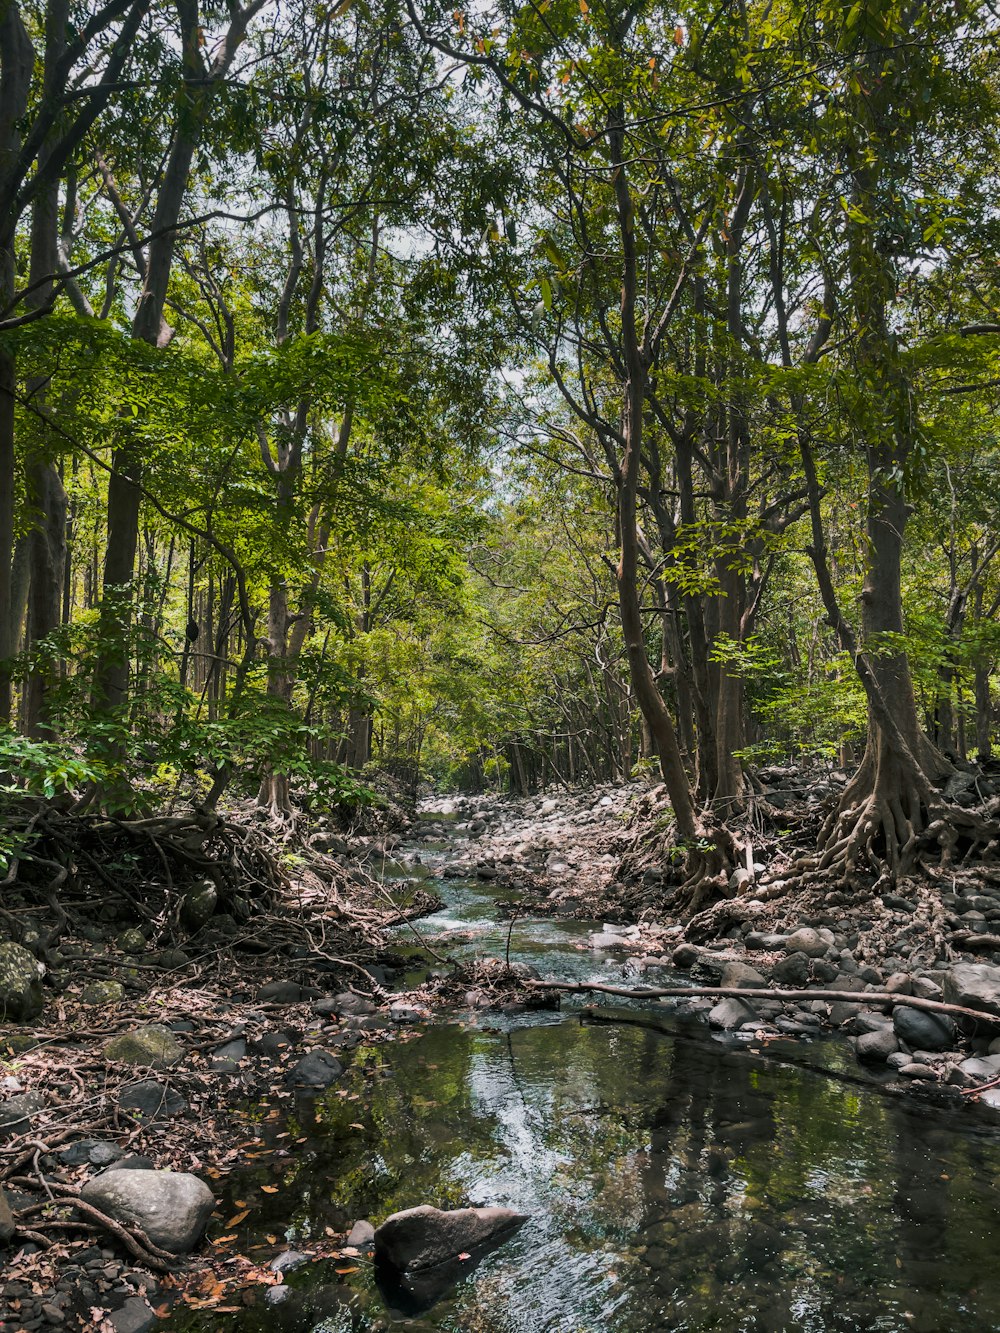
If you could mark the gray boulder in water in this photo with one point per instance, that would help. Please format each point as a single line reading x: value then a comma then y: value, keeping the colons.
x: 419, y: 1238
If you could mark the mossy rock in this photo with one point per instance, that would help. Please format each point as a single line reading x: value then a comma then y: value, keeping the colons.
x: 198, y: 904
x: 154, y: 1047
x: 102, y: 992
x: 132, y: 941
x: 21, y: 975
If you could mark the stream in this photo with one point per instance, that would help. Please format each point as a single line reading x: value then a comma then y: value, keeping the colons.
x: 675, y: 1179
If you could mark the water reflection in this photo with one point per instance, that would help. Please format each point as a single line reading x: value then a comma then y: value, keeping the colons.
x: 673, y: 1183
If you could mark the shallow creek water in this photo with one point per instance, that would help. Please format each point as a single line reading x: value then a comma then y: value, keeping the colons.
x: 674, y: 1180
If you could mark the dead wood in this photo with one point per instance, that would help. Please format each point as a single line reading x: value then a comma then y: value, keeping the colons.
x: 765, y: 993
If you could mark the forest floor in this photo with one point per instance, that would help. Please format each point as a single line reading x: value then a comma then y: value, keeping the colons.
x: 245, y: 1014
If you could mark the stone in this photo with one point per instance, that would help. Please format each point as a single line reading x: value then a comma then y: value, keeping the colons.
x: 755, y: 939
x: 792, y: 970
x: 927, y: 988
x: 90, y: 1152
x: 348, y: 1002
x: 21, y: 975
x: 685, y: 956
x: 172, y: 1207
x: 16, y: 1113
x: 198, y: 903
x: 900, y: 983
x: 317, y: 1069
x: 234, y: 1050
x: 151, y: 1101
x: 102, y: 992
x: 742, y: 977
x: 401, y: 1012
x: 974, y: 985
x: 876, y: 1047
x: 808, y: 941
x: 134, y: 1316
x: 981, y: 1069
x: 422, y: 1237
x: 362, y: 1235
x: 917, y: 1070
x: 288, y: 1261
x: 134, y: 1161
x: 842, y: 1011
x: 730, y: 1014
x: 132, y: 942
x: 154, y: 1046
x: 287, y: 992
x: 7, y: 1224
x: 921, y: 1030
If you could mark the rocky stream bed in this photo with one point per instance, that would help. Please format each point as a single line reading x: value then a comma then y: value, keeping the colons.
x: 751, y: 1160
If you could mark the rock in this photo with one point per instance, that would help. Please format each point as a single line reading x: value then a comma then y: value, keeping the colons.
x: 915, y: 1070
x: 102, y: 992
x: 198, y: 903
x: 16, y: 1112
x: 172, y: 1207
x: 927, y: 988
x: 134, y: 1316
x: 289, y: 1261
x: 90, y: 1152
x: 153, y: 1046
x: 287, y: 992
x: 842, y: 1011
x: 423, y: 1237
x: 730, y: 1014
x: 134, y: 1161
x: 348, y: 1002
x: 741, y: 976
x: 981, y: 1069
x: 876, y: 1047
x: 900, y: 983
x: 361, y: 1235
x: 317, y: 1069
x: 792, y: 970
x: 685, y: 956
x: 20, y: 984
x: 921, y: 1030
x: 756, y: 940
x: 151, y: 1101
x: 401, y: 1012
x: 808, y: 941
x: 235, y: 1049
x: 7, y: 1224
x: 975, y: 985
x: 132, y: 942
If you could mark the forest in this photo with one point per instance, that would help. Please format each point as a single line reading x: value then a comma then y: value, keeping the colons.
x: 576, y: 419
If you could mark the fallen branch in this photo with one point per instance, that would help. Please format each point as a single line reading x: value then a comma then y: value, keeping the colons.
x: 764, y: 993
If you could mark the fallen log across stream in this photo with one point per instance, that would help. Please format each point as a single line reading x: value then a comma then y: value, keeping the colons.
x: 765, y: 993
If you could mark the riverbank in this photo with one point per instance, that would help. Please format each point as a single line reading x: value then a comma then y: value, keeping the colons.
x: 191, y: 1063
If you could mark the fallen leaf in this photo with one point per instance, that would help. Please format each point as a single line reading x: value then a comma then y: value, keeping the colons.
x: 463, y: 1255
x: 235, y: 1221
x: 269, y: 1189
x: 346, y: 1270
x: 224, y: 1240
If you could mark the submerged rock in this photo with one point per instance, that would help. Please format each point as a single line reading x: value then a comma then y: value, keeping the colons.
x: 730, y: 1014
x: 318, y: 1069
x: 172, y: 1207
x: 422, y: 1237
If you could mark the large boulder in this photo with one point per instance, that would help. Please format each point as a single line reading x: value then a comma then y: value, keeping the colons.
x: 171, y: 1207
x: 975, y: 985
x: 153, y: 1046
x: 21, y: 975
x: 419, y: 1238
